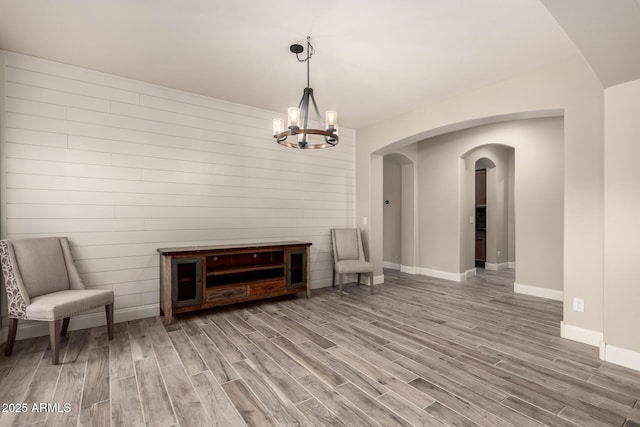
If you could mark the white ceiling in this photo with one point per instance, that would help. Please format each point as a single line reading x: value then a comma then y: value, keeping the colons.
x: 374, y: 58
x: 607, y: 34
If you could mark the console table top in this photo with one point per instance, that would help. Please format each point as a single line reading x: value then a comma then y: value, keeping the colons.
x: 205, y: 248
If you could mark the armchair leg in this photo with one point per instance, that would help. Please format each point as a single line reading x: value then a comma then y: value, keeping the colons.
x: 371, y: 282
x: 109, y: 310
x: 358, y: 284
x: 333, y: 279
x: 11, y: 337
x: 54, y: 338
x: 65, y: 325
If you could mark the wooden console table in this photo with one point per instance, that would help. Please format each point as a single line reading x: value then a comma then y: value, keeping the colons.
x: 198, y: 277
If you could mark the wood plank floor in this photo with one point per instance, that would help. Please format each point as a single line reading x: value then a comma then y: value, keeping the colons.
x: 421, y: 351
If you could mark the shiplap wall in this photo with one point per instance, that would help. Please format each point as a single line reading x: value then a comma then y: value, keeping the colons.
x: 124, y: 167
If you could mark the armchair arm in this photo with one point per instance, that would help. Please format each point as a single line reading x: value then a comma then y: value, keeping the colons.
x: 18, y: 298
x: 75, y: 281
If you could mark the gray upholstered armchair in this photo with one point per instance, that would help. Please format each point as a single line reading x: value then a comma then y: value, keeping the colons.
x: 43, y: 283
x: 348, y: 255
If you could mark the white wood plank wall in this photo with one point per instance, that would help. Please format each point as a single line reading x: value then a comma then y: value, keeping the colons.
x: 124, y: 167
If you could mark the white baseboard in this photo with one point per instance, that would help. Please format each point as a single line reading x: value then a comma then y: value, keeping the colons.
x: 576, y: 333
x: 472, y: 272
x: 620, y: 356
x: 391, y: 265
x: 408, y: 269
x: 32, y: 329
x: 496, y: 267
x: 438, y: 274
x: 536, y: 291
x: 400, y: 267
x: 511, y: 264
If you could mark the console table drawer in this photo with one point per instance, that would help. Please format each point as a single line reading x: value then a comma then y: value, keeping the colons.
x: 224, y: 294
x: 274, y: 287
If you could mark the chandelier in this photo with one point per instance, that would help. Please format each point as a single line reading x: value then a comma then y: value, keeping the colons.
x: 298, y: 117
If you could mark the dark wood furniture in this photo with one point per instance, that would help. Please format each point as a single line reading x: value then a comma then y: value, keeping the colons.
x: 198, y: 277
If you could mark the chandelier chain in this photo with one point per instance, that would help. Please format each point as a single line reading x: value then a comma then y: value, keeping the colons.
x: 310, y: 51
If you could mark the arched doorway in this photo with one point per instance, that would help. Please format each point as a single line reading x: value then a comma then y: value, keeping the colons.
x: 489, y: 196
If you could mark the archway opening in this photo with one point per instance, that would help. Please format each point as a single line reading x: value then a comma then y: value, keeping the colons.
x: 445, y: 228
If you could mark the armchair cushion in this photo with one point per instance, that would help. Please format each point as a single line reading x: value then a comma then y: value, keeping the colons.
x: 42, y: 265
x: 66, y: 303
x: 353, y: 266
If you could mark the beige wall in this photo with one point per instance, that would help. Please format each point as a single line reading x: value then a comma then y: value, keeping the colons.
x: 569, y: 87
x: 409, y: 218
x: 438, y: 200
x: 622, y: 213
x: 511, y: 214
x: 392, y: 192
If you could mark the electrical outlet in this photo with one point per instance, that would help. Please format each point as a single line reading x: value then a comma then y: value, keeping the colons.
x: 364, y: 220
x: 578, y: 304
x: 498, y: 254
x: 470, y: 220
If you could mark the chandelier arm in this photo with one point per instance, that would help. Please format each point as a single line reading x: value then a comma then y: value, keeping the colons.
x: 302, y: 108
x: 315, y: 107
x: 305, y: 113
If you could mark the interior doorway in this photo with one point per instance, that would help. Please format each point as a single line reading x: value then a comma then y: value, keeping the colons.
x: 489, y: 199
x: 481, y: 218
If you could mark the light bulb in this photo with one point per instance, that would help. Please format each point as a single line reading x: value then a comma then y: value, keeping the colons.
x: 331, y: 118
x: 293, y: 117
x: 278, y: 126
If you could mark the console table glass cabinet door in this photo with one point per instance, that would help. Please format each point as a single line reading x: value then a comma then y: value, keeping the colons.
x: 296, y: 268
x: 186, y: 275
